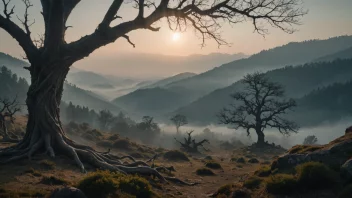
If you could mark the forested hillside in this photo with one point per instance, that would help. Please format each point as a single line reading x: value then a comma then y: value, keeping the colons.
x: 298, y: 81
x: 11, y: 85
x: 289, y: 54
x: 327, y: 104
x: 191, y: 89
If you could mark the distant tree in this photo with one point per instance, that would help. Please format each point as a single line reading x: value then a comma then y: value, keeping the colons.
x: 122, y: 124
x: 310, y: 140
x: 8, y: 109
x: 259, y: 106
x: 105, y: 118
x: 148, y: 129
x: 148, y: 124
x: 179, y: 120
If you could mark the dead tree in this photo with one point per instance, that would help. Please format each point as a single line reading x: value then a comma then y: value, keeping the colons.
x: 259, y: 106
x: 51, y: 61
x: 190, y: 145
x: 7, y: 113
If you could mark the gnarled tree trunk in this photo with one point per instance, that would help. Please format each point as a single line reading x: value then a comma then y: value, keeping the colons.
x: 261, y: 136
x: 45, y: 132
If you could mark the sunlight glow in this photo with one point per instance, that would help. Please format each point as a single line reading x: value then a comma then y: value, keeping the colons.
x: 176, y: 36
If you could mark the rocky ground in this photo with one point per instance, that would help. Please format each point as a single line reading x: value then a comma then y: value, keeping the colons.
x: 241, y: 172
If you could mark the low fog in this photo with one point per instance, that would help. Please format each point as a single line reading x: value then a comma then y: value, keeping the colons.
x: 325, y: 133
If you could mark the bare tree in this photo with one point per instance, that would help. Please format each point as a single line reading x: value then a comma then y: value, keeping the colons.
x: 50, y: 62
x: 179, y: 120
x: 190, y: 145
x: 8, y: 109
x: 261, y: 105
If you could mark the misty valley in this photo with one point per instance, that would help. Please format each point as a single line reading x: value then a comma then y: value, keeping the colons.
x: 266, y: 116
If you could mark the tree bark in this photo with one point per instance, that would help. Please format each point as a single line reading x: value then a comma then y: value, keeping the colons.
x: 261, y: 136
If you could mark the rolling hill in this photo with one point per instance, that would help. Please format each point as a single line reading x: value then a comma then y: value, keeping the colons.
x: 155, y: 66
x: 344, y: 54
x: 151, y: 102
x: 191, y: 89
x: 290, y: 54
x: 164, y: 82
x: 86, y: 98
x: 298, y: 81
x: 327, y: 104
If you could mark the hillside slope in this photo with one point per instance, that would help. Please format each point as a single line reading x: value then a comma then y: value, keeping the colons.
x: 164, y: 82
x: 86, y: 98
x: 298, y: 81
x: 193, y: 88
x: 327, y: 104
x: 152, y: 102
x: 344, y: 54
x: 289, y: 54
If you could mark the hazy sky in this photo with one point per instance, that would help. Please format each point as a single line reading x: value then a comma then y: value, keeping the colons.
x: 326, y: 18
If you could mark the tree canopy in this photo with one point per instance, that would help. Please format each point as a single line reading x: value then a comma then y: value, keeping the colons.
x: 259, y: 106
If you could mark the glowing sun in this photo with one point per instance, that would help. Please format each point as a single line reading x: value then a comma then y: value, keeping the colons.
x: 176, y: 36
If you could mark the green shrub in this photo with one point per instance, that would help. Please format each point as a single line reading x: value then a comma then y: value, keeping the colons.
x: 204, y: 172
x: 346, y: 192
x: 99, y: 184
x: 252, y: 182
x: 52, y: 180
x: 136, y: 186
x: 47, y: 164
x: 225, y: 190
x: 241, y: 160
x: 315, y: 175
x: 213, y: 165
x: 104, y: 184
x: 281, y: 184
x: 263, y: 171
x: 175, y: 155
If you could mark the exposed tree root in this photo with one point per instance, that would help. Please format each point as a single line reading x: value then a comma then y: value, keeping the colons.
x: 80, y: 153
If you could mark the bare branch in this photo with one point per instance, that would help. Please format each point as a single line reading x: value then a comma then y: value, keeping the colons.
x: 25, y: 21
x: 8, y: 12
x: 205, y: 17
x: 16, y: 32
x: 128, y: 40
